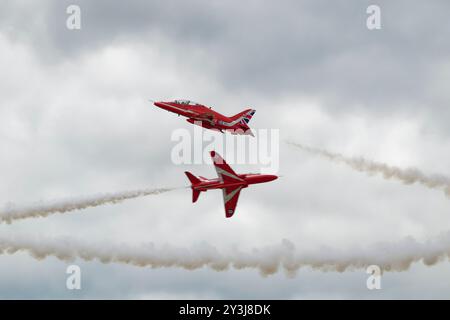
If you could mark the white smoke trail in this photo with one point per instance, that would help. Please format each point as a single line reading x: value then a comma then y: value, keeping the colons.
x: 407, y: 176
x: 11, y: 212
x: 268, y: 260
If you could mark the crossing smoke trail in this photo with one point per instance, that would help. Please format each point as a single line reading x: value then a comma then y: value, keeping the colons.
x: 10, y: 213
x: 407, y: 176
x: 268, y: 260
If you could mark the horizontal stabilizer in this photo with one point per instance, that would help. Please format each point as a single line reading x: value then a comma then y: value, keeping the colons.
x: 195, y: 195
x: 193, y: 179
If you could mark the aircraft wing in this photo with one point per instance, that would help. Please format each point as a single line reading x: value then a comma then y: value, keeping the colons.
x: 230, y: 199
x: 224, y: 171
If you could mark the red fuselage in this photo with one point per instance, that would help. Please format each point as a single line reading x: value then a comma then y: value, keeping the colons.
x: 248, y: 179
x: 229, y: 181
x: 207, y: 118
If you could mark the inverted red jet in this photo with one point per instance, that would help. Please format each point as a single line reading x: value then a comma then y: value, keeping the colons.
x: 207, y: 118
x: 230, y: 182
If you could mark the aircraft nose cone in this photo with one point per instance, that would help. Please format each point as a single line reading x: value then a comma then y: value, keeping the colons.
x: 266, y: 178
x: 162, y: 105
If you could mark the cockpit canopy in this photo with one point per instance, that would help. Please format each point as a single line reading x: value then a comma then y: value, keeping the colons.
x: 187, y: 102
x: 252, y: 174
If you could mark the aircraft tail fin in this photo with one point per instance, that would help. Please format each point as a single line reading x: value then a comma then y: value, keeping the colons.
x: 194, y: 180
x: 244, y: 116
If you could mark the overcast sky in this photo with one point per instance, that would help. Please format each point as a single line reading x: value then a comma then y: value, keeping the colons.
x: 75, y: 120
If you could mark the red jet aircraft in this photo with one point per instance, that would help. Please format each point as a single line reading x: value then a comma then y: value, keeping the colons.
x: 207, y: 118
x: 230, y: 183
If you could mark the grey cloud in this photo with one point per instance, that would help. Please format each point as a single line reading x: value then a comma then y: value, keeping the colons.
x: 313, y: 48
